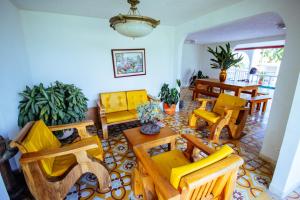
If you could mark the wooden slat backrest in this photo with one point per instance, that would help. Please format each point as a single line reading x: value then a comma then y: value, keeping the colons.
x: 212, y: 181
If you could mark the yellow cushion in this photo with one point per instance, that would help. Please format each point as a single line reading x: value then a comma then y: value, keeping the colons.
x: 168, y: 160
x: 179, y: 172
x: 134, y: 112
x: 135, y: 98
x: 114, y: 101
x: 119, y: 116
x: 228, y: 100
x: 64, y: 163
x: 40, y: 137
x: 207, y: 116
x: 97, y: 153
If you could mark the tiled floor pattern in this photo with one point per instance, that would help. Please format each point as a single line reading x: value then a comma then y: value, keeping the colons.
x: 253, y: 177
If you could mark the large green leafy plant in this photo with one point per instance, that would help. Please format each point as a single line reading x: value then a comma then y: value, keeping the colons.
x: 57, y: 104
x: 224, y: 58
x: 169, y: 95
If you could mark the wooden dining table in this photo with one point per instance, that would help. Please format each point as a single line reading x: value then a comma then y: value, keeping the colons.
x: 206, y: 87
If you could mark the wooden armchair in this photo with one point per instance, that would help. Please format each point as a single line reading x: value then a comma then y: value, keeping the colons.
x: 51, y: 169
x: 172, y: 175
x: 228, y: 111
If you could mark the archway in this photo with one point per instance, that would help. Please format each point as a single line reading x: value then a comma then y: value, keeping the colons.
x: 179, y: 72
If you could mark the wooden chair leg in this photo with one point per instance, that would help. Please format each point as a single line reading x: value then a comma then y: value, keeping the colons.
x: 258, y: 106
x: 264, y: 106
x: 215, y: 132
x: 193, y: 121
x: 104, y: 128
x: 136, y: 182
x: 252, y: 105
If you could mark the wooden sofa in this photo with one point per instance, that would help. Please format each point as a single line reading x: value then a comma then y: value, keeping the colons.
x: 119, y: 107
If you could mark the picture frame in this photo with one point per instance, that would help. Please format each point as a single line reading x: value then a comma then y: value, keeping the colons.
x: 128, y: 62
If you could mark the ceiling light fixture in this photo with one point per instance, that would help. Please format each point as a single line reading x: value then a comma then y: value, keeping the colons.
x: 133, y: 24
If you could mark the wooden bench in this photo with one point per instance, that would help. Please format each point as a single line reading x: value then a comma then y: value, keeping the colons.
x: 257, y: 101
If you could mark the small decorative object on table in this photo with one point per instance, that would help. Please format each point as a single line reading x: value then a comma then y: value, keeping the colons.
x: 150, y: 114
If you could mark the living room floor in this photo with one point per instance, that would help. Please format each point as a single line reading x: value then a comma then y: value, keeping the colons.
x: 253, y: 177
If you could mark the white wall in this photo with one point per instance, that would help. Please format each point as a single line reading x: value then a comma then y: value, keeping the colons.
x: 192, y: 55
x: 77, y: 50
x: 287, y: 173
x: 14, y: 71
x: 290, y: 68
x: 14, y: 68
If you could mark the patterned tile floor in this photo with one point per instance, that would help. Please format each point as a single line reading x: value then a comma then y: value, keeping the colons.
x: 253, y: 177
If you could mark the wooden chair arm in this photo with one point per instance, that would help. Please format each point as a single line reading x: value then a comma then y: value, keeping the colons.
x: 82, y: 145
x: 101, y: 108
x: 161, y: 183
x: 207, y: 100
x: 198, y: 143
x: 227, y: 107
x: 77, y: 125
x: 204, y: 102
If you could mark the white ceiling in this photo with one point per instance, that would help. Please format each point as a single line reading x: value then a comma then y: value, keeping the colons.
x: 263, y: 25
x: 169, y: 12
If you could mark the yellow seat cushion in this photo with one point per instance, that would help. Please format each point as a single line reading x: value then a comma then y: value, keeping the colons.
x: 228, y: 100
x: 207, y: 115
x: 61, y: 164
x: 178, y: 172
x: 119, y: 116
x: 64, y: 163
x: 39, y: 138
x: 114, y: 101
x: 135, y: 98
x: 97, y: 153
x: 168, y: 160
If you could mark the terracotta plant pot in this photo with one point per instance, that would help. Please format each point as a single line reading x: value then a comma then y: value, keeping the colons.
x: 223, y: 75
x: 170, y: 110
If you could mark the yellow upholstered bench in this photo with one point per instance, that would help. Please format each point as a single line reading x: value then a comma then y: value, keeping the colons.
x: 119, y: 107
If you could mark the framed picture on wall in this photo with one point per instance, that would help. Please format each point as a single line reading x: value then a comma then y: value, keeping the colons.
x: 128, y: 62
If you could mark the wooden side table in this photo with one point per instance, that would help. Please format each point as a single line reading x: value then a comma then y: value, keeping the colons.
x: 135, y: 138
x: 166, y: 136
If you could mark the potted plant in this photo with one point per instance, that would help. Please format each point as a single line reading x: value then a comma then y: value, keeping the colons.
x: 57, y: 104
x: 149, y: 115
x: 169, y: 97
x: 195, y: 76
x: 223, y: 59
x: 261, y: 78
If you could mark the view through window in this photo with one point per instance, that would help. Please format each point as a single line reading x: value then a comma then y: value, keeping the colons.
x: 260, y: 65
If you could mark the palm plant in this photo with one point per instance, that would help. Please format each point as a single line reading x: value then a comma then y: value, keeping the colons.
x: 224, y: 58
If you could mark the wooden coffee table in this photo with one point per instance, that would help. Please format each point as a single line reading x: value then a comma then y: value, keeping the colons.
x: 166, y: 136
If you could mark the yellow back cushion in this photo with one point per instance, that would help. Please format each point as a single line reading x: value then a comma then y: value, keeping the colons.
x: 135, y: 98
x: 228, y: 100
x: 40, y: 137
x: 114, y: 101
x: 179, y: 172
